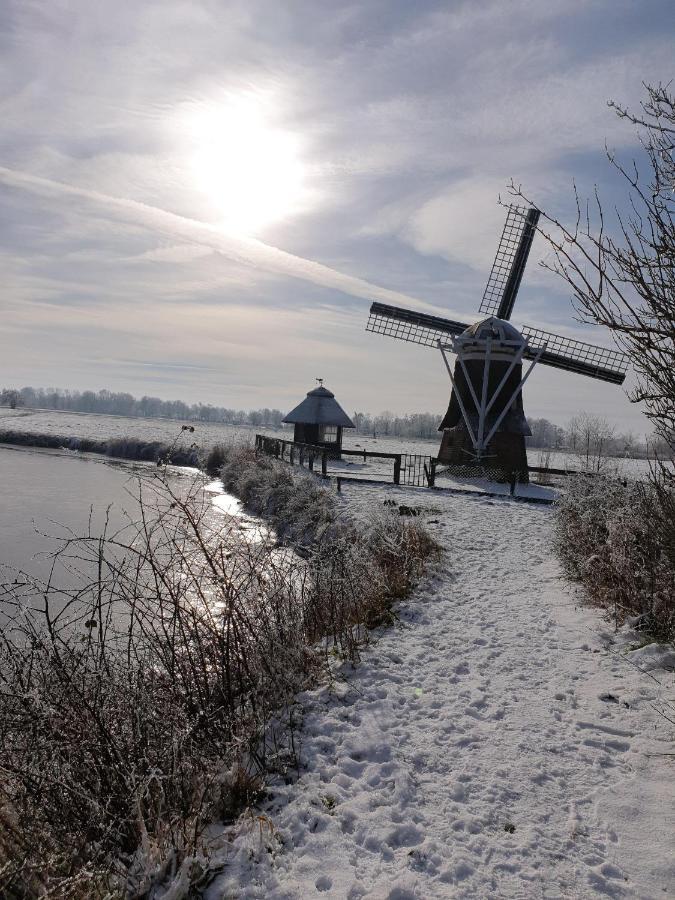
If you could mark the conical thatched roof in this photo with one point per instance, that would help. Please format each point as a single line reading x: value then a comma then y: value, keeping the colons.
x: 319, y: 408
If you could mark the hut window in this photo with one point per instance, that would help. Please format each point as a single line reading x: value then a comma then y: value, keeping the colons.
x: 328, y: 434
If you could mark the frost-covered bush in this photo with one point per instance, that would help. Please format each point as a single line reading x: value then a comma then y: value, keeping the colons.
x: 355, y: 571
x: 162, y: 693
x: 295, y: 503
x: 618, y: 539
x: 215, y: 460
x: 146, y: 708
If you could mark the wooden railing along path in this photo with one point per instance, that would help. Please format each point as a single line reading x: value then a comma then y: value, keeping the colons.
x: 409, y: 468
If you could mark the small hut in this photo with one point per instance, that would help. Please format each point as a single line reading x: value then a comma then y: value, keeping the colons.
x: 319, y: 420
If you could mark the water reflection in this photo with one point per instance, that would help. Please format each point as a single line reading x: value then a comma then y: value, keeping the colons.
x: 50, y: 498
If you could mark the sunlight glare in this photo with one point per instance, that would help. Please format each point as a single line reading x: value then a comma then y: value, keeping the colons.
x: 250, y: 170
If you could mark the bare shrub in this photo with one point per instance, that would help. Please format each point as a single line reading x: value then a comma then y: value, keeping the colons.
x: 152, y: 698
x: 621, y: 269
x: 618, y: 539
x: 120, y: 712
x: 589, y: 440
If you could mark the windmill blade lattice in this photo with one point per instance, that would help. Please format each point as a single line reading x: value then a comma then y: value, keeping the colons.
x: 576, y: 356
x: 509, y: 264
x: 411, y: 326
x: 560, y: 352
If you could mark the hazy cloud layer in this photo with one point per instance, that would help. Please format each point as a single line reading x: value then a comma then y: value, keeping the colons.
x: 407, y: 121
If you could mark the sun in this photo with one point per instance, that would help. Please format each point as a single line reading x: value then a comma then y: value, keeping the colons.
x: 251, y: 171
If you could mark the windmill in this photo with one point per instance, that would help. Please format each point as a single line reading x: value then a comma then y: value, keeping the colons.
x: 485, y: 425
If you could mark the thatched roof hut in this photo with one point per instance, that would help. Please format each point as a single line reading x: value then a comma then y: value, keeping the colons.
x: 319, y: 420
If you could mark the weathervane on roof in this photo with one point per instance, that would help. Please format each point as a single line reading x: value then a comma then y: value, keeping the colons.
x: 320, y: 380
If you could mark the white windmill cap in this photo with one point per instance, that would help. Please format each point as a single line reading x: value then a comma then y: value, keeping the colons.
x: 497, y: 329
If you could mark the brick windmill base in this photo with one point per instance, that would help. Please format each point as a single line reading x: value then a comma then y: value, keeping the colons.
x: 505, y: 458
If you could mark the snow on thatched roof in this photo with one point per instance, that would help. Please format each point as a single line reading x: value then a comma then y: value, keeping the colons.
x: 319, y: 408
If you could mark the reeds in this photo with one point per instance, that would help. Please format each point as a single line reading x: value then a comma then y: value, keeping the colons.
x: 121, y: 448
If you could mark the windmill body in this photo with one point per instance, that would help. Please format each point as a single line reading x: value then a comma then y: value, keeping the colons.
x: 484, y: 428
x: 485, y: 418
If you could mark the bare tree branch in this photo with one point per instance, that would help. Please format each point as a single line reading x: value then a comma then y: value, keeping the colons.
x: 627, y: 283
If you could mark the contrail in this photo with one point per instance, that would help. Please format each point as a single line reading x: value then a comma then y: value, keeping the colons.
x: 246, y: 250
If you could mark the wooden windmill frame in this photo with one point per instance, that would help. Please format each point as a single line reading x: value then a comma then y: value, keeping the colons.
x: 481, y: 437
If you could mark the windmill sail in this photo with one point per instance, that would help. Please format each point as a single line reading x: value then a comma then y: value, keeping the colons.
x: 509, y: 265
x: 560, y: 353
x: 576, y: 356
x: 411, y: 326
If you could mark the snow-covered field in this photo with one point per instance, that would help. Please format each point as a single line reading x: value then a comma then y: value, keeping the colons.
x: 95, y: 425
x: 623, y: 466
x: 499, y: 741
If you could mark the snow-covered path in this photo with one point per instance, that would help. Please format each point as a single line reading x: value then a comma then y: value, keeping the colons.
x: 494, y: 743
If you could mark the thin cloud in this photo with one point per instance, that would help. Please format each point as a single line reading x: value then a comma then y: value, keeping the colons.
x: 243, y: 250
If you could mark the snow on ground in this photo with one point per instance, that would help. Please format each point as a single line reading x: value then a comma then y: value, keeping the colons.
x: 104, y: 427
x: 498, y: 741
x: 98, y: 425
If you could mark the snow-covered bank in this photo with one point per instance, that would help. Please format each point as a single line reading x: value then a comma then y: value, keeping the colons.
x: 499, y: 741
x: 253, y: 529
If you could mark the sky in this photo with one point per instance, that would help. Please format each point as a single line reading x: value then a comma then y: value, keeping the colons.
x: 201, y: 199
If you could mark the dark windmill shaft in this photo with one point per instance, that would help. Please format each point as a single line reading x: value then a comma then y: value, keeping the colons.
x: 485, y: 423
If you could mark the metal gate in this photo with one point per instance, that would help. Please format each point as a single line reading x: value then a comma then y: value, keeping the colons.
x: 418, y: 471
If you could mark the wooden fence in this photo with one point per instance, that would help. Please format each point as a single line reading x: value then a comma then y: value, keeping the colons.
x: 409, y: 468
x: 292, y: 452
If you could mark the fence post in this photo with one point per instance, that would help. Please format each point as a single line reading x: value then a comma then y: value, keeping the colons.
x: 302, y: 455
x: 339, y: 485
x: 324, y: 463
x: 432, y: 480
x: 311, y: 460
x: 292, y: 454
x: 397, y: 469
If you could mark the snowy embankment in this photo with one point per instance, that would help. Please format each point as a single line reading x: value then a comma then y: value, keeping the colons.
x: 498, y: 741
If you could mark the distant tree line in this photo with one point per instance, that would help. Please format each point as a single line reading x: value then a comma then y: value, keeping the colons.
x: 590, y: 437
x: 584, y: 434
x: 123, y: 404
x: 385, y: 424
